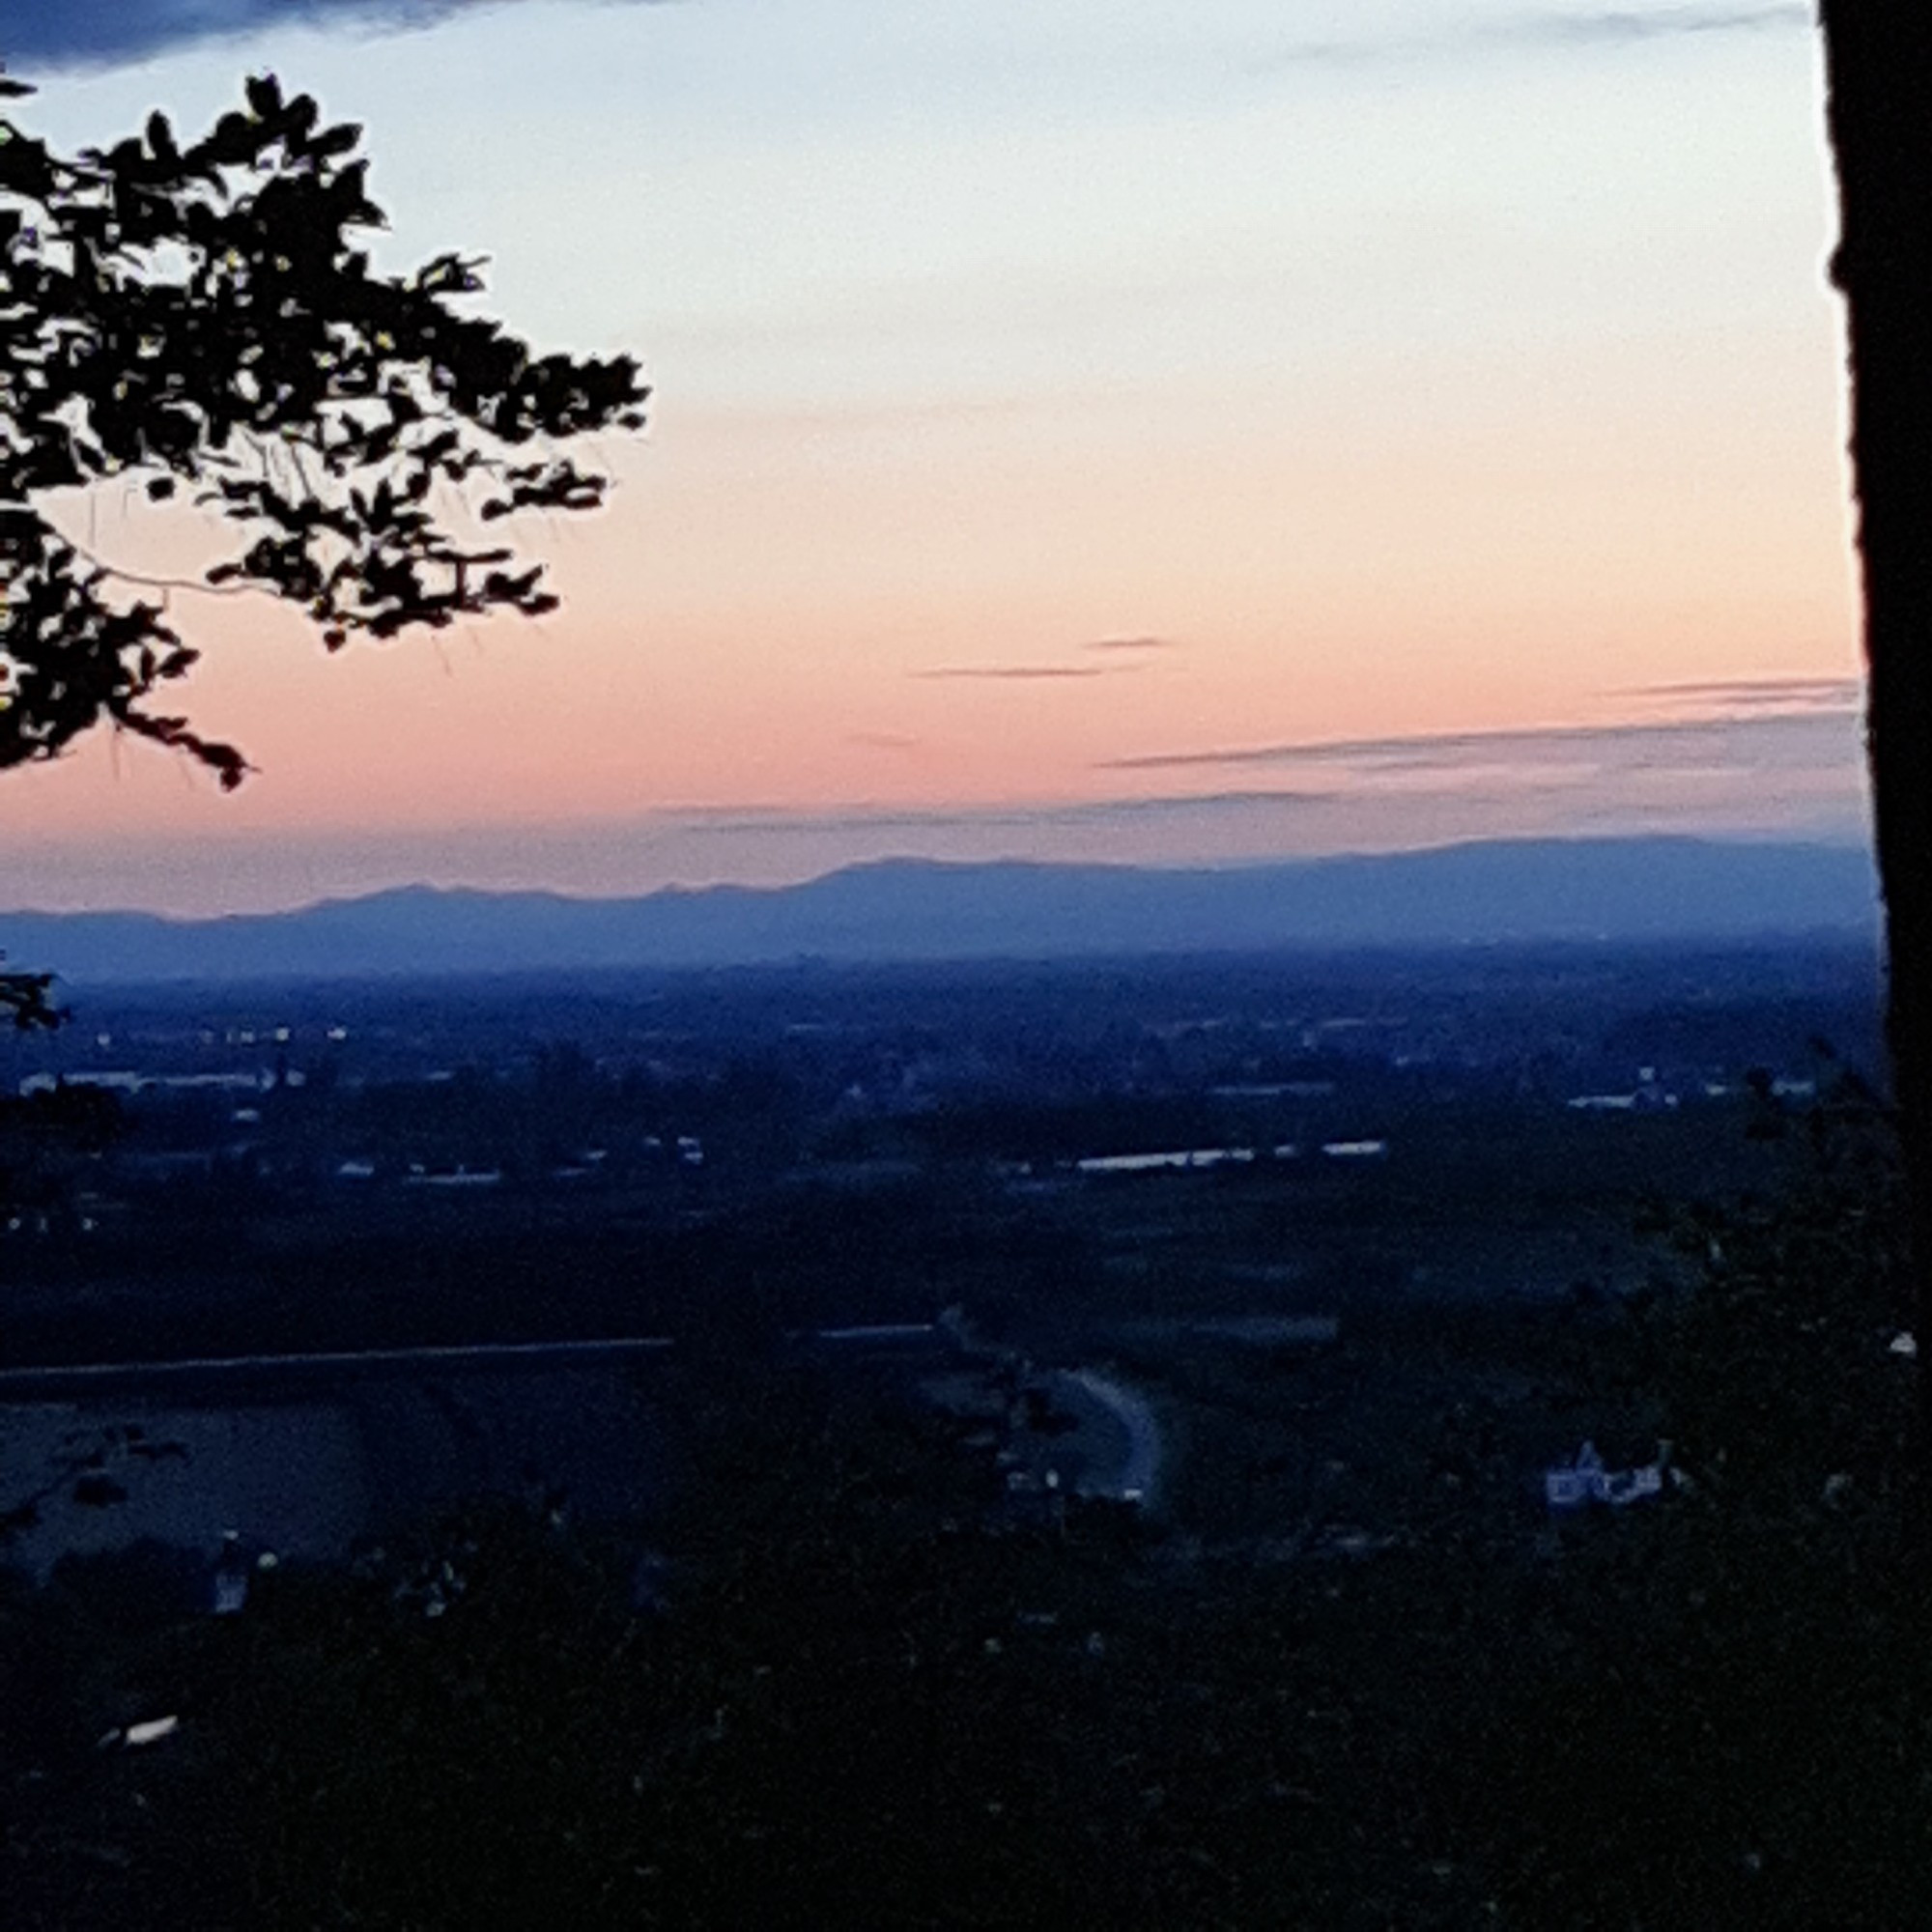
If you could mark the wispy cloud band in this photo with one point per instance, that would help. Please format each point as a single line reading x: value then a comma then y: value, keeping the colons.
x: 1619, y: 26
x: 1753, y: 693
x: 1751, y: 739
x: 1046, y: 816
x: 1530, y: 29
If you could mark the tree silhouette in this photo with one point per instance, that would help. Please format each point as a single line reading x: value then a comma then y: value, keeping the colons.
x: 200, y: 319
x: 1877, y: 62
x: 26, y: 999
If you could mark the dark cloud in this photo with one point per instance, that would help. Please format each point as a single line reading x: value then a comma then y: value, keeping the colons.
x: 1133, y: 644
x: 39, y: 35
x: 43, y: 34
x: 1819, y: 732
x: 51, y: 34
x: 1022, y: 673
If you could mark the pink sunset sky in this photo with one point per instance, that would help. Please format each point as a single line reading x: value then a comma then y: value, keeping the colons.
x: 1104, y: 431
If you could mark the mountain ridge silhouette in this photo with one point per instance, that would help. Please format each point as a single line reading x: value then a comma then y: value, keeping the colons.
x: 1492, y: 891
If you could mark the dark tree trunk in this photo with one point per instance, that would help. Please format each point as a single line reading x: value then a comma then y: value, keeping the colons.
x: 1878, y: 71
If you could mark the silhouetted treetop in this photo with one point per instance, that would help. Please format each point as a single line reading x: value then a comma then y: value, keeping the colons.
x: 198, y: 317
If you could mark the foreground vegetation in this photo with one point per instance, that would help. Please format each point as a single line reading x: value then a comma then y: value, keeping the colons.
x: 864, y: 1690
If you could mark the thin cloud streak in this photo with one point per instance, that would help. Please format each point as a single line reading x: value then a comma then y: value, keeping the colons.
x: 1824, y: 694
x: 1133, y: 644
x: 1619, y: 27
x: 1021, y: 674
x: 1606, y: 27
x: 1748, y: 739
x: 781, y: 822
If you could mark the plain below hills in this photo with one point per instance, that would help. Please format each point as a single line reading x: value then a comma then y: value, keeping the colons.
x: 1604, y: 890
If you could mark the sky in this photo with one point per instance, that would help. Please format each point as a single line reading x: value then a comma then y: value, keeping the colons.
x: 1088, y: 430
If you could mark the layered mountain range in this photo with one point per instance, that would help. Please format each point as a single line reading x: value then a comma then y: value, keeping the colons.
x: 1614, y: 891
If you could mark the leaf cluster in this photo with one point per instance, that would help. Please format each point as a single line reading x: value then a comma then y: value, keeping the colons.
x: 203, y: 316
x: 1773, y: 1363
x: 26, y: 1001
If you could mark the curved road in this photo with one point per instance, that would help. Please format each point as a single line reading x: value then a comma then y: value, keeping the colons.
x: 1135, y: 1479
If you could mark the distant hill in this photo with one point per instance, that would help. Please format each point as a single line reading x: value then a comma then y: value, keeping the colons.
x: 1608, y: 890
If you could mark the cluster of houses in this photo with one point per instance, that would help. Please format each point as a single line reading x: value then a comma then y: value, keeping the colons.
x: 1577, y: 1485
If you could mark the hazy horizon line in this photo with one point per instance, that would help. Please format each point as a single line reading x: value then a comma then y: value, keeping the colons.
x: 1819, y: 841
